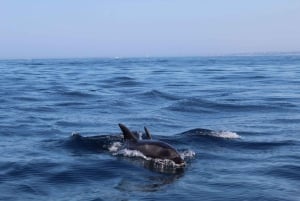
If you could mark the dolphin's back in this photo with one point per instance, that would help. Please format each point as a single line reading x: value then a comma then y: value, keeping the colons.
x: 154, y: 149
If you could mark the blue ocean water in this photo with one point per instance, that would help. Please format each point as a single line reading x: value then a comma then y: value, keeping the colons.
x: 235, y: 119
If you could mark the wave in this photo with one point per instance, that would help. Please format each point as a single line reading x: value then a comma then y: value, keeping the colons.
x: 157, y: 94
x: 264, y: 145
x: 70, y: 103
x: 122, y: 81
x: 211, y: 133
x: 290, y: 171
x: 226, y: 134
x: 42, y: 109
x: 197, y: 105
x: 75, y: 94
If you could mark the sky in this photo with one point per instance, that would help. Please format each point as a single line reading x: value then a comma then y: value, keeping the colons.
x: 142, y: 28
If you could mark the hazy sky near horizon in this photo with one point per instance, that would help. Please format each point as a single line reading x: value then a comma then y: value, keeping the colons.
x: 129, y: 28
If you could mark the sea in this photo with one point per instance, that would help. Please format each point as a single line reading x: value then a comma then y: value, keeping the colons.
x: 234, y: 119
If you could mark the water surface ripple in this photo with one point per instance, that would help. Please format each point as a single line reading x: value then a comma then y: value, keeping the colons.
x: 235, y: 119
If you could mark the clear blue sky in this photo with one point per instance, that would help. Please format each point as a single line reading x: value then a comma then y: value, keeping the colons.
x: 129, y: 28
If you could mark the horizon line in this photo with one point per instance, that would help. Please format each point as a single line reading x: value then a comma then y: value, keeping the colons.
x: 265, y: 53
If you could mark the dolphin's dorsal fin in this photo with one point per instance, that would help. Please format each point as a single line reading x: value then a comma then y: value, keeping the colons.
x: 128, y: 135
x: 148, y: 135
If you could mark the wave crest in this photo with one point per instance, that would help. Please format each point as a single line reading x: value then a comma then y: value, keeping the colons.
x: 188, y: 154
x: 211, y: 133
x: 131, y: 153
x: 115, y: 147
x: 225, y: 134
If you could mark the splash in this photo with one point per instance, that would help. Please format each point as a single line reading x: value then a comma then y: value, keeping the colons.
x: 156, y: 163
x: 131, y: 153
x: 211, y: 133
x: 188, y: 154
x: 225, y: 134
x: 162, y: 164
x: 115, y: 147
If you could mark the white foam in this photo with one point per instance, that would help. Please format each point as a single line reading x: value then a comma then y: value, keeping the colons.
x: 75, y: 133
x: 156, y: 162
x: 225, y: 134
x: 115, y: 147
x: 188, y: 154
x: 131, y: 153
x: 165, y: 163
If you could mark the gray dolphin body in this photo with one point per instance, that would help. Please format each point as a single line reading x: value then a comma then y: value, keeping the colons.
x: 150, y: 148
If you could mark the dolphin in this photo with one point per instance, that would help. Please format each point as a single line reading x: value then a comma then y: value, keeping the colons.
x: 150, y: 148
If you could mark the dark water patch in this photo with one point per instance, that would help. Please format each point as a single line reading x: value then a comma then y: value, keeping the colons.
x: 65, y: 177
x: 25, y: 129
x: 291, y: 172
x: 67, y: 123
x: 27, y: 98
x: 2, y: 116
x: 27, y: 120
x: 286, y: 121
x: 34, y: 64
x: 146, y: 185
x: 122, y: 81
x: 85, y: 171
x: 203, y: 105
x: 71, y: 124
x: 264, y: 145
x: 59, y: 62
x: 229, y: 79
x: 69, y: 104
x: 285, y: 158
x: 286, y: 105
x: 30, y: 189
x: 27, y: 170
x: 129, y: 83
x: 145, y: 119
x: 29, y: 62
x: 195, y: 106
x: 159, y: 71
x: 76, y: 94
x: 3, y: 100
x: 119, y: 103
x: 74, y: 63
x: 156, y: 94
x: 6, y: 165
x: 42, y: 109
x: 97, y: 199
